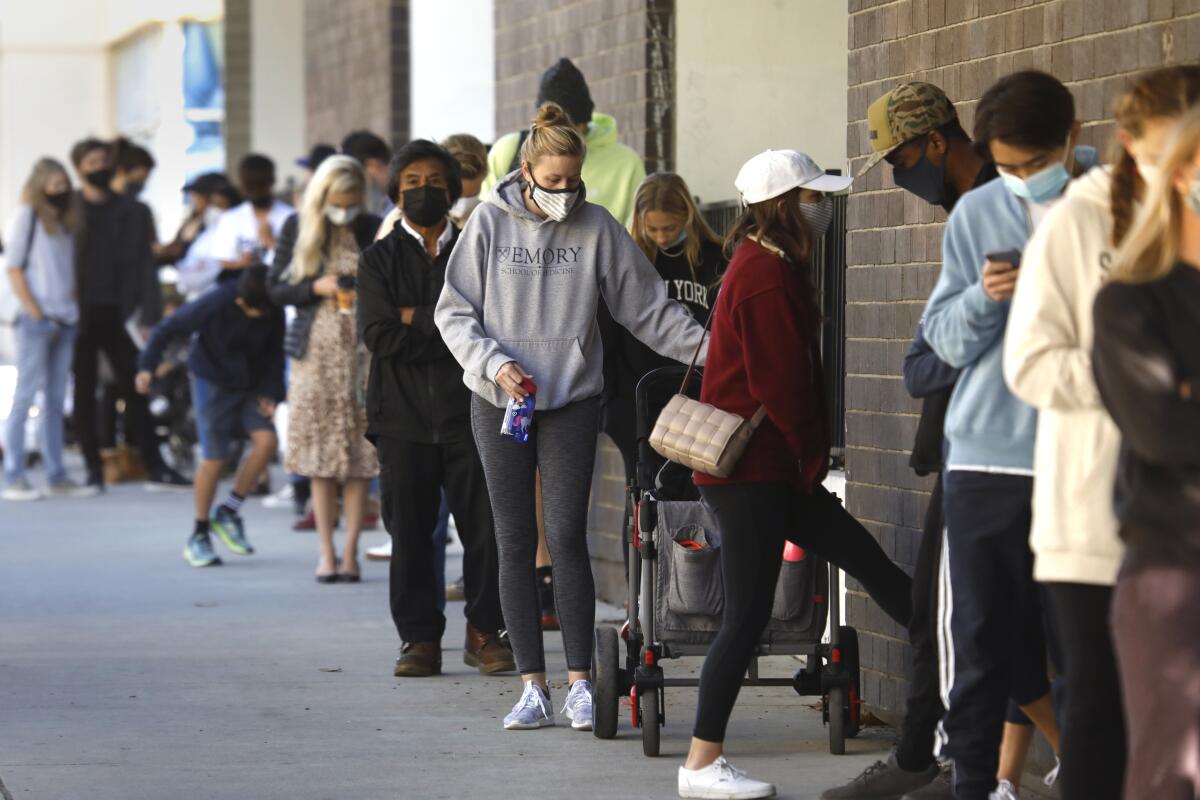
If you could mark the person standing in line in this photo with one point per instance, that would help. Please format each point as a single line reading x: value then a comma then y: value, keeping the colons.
x: 41, y: 268
x: 246, y: 234
x: 992, y: 632
x: 519, y: 306
x: 237, y: 349
x: 418, y: 412
x: 765, y: 353
x: 375, y: 156
x: 116, y: 280
x: 1147, y: 366
x: 210, y: 195
x: 471, y: 156
x: 317, y: 253
x: 132, y: 165
x: 1048, y: 364
x: 201, y: 193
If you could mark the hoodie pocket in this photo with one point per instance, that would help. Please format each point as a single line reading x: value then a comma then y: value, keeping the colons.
x: 554, y: 363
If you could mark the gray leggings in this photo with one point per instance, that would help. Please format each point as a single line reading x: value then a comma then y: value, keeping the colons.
x: 563, y: 444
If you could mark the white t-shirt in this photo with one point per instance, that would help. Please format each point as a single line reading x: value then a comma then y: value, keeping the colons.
x: 237, y: 231
x: 198, y: 270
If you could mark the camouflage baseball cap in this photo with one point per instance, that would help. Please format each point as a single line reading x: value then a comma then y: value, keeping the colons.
x: 906, y: 112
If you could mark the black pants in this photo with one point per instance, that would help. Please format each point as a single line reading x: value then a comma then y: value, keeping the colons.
x: 410, y: 477
x: 996, y: 648
x: 101, y: 329
x: 755, y: 519
x: 1093, y: 727
x: 914, y: 751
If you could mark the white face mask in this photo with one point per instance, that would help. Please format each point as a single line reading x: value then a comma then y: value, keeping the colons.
x: 341, y: 216
x: 212, y: 215
x: 463, y: 207
x: 557, y: 203
x: 1148, y: 171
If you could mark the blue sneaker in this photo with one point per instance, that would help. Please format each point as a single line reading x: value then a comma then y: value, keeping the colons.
x: 232, y: 531
x: 199, y: 551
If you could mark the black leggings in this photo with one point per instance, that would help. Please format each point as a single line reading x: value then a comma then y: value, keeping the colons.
x: 1093, y: 726
x: 755, y: 519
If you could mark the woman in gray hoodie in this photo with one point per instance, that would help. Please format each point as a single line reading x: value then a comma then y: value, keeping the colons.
x: 519, y: 313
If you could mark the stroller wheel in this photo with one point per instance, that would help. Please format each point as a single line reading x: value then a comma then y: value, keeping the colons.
x: 837, y: 720
x: 651, y: 723
x: 606, y: 660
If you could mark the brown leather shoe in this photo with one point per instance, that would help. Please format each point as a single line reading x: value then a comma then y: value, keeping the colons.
x: 487, y: 651
x: 419, y: 660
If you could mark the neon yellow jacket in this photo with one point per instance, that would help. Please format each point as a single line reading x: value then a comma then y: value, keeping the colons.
x: 611, y: 173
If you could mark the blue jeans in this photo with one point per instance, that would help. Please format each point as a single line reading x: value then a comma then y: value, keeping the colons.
x: 200, y: 392
x: 44, y: 352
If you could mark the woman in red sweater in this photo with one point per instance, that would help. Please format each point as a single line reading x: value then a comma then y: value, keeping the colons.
x: 765, y: 350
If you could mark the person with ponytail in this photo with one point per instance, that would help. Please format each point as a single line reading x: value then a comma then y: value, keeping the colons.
x: 318, y: 248
x: 519, y: 313
x: 1146, y: 360
x: 1048, y: 364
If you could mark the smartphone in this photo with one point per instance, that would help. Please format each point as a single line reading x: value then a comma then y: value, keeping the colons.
x: 1005, y: 257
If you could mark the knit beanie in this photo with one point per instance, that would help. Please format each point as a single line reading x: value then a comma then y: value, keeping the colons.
x: 564, y: 84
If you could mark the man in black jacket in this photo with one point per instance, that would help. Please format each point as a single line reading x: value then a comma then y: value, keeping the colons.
x: 419, y: 420
x: 117, y: 279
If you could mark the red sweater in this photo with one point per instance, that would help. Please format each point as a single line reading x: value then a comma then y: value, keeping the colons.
x: 761, y: 353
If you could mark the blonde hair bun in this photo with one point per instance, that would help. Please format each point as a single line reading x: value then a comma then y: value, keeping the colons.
x: 552, y: 134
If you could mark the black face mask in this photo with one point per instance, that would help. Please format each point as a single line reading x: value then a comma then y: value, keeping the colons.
x: 59, y: 200
x: 100, y: 178
x: 262, y: 203
x: 925, y: 180
x: 134, y: 188
x: 425, y: 205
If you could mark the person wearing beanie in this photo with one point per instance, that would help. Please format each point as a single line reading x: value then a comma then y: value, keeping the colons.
x: 612, y: 171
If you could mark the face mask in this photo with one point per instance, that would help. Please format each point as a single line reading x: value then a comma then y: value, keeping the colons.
x: 557, y: 203
x: 262, y: 203
x: 1193, y: 196
x: 425, y: 205
x: 1041, y: 186
x: 463, y: 207
x: 100, y: 178
x: 671, y: 247
x: 818, y: 216
x: 59, y: 200
x: 1149, y: 172
x: 134, y: 188
x: 923, y: 179
x: 341, y: 216
x: 212, y: 215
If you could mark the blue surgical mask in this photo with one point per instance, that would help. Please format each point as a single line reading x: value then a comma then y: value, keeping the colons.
x: 682, y: 238
x: 1041, y: 186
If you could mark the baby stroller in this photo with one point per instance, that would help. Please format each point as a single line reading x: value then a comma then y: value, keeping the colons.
x: 675, y: 596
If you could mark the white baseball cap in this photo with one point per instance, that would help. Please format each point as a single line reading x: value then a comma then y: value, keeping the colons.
x: 774, y: 172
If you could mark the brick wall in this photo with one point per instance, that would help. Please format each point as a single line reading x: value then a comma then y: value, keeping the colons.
x: 356, y: 57
x: 623, y: 47
x: 894, y: 240
x: 237, y: 81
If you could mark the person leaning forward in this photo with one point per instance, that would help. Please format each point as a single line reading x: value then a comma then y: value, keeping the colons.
x: 418, y: 413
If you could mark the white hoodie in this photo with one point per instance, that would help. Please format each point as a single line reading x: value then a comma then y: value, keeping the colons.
x: 1048, y: 364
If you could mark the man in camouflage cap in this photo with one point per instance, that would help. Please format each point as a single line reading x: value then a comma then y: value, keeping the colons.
x: 915, y: 129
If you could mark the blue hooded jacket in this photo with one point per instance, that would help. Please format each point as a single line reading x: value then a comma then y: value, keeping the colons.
x: 987, y: 428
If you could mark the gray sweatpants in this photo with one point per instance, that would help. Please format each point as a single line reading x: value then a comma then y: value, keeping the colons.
x: 563, y: 444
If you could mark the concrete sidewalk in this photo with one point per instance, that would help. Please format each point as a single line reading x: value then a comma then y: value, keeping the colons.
x: 126, y: 674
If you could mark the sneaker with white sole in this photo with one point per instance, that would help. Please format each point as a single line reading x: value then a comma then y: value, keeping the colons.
x: 69, y: 488
x: 532, y: 711
x: 284, y: 498
x: 578, y: 707
x: 19, y: 491
x: 1004, y: 791
x: 381, y: 553
x: 720, y: 780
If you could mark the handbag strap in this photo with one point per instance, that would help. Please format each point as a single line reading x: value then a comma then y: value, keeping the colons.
x: 759, y: 415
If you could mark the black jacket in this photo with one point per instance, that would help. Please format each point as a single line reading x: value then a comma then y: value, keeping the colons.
x: 232, y: 350
x: 285, y: 293
x: 931, y: 380
x: 137, y: 270
x: 1147, y: 347
x: 416, y: 390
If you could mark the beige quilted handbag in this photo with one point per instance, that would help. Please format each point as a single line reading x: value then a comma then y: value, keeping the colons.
x: 700, y: 436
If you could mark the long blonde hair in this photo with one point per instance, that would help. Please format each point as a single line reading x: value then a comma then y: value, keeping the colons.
x: 552, y: 134
x: 33, y: 194
x: 337, y: 174
x: 1152, y: 245
x: 669, y: 193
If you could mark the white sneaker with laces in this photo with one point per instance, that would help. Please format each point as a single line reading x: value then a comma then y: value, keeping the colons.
x: 532, y: 711
x: 381, y: 553
x: 1004, y: 791
x: 721, y: 781
x: 578, y: 707
x: 20, y: 491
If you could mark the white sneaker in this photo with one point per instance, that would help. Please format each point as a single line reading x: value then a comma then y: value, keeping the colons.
x: 69, y: 488
x: 20, y: 490
x: 721, y: 781
x: 280, y: 499
x: 381, y: 553
x: 578, y: 707
x: 1004, y: 791
x: 532, y: 711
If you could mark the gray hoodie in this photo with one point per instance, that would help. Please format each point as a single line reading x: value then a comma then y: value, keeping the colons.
x: 520, y: 288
